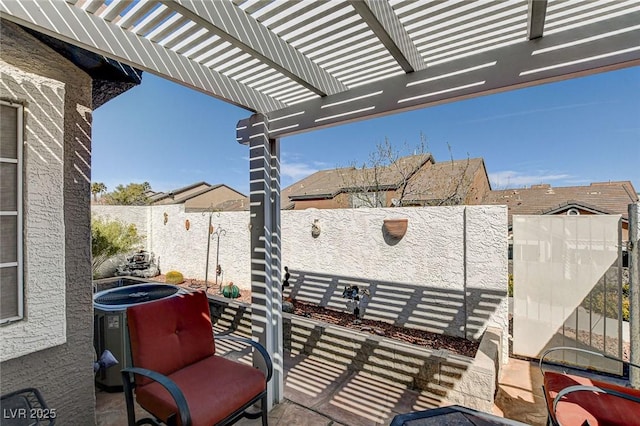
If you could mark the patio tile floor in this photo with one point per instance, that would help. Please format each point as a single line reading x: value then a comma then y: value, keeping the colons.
x: 318, y: 393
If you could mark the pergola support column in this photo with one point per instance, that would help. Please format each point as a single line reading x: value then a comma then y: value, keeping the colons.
x: 266, y: 294
x: 634, y: 292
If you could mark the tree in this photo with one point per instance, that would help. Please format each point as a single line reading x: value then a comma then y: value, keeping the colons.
x: 389, y: 174
x: 134, y: 194
x: 111, y: 238
x: 97, y: 188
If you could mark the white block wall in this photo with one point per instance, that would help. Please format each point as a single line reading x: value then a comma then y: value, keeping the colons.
x: 450, y: 269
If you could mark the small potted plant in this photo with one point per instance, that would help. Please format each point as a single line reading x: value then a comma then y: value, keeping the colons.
x: 231, y: 291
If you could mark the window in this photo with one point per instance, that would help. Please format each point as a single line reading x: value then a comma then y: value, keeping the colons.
x: 367, y: 199
x: 11, y: 291
x: 573, y: 212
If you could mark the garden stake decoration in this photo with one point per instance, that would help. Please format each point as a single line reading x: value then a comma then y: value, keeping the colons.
x: 210, y: 232
x: 354, y: 297
x: 219, y: 232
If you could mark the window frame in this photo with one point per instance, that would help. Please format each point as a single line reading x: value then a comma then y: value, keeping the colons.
x: 373, y: 199
x: 19, y: 263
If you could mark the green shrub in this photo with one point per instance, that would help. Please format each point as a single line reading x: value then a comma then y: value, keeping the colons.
x: 510, y: 286
x: 596, y: 302
x: 174, y: 277
x: 110, y: 238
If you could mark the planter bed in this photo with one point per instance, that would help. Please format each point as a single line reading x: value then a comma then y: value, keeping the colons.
x: 436, y: 373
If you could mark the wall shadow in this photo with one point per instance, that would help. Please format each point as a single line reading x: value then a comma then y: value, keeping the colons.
x: 362, y: 379
x: 443, y: 311
x: 595, y: 325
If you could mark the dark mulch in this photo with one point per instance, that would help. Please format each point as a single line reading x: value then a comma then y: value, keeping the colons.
x: 456, y: 345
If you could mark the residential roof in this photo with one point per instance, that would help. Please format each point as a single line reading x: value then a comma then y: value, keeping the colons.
x: 179, y: 196
x: 443, y: 180
x: 328, y: 183
x: 205, y: 190
x: 599, y: 197
x: 176, y: 192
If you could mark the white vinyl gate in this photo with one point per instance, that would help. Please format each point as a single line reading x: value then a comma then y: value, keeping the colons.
x: 568, y: 287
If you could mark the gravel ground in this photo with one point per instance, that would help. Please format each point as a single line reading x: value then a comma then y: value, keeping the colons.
x: 193, y: 284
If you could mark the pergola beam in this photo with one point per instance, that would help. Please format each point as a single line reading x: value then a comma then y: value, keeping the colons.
x: 598, y: 47
x: 535, y: 18
x: 384, y: 23
x: 63, y: 21
x: 232, y: 24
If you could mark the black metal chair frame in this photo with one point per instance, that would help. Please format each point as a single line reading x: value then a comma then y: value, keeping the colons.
x: 183, y: 407
x: 551, y: 419
x: 36, y: 404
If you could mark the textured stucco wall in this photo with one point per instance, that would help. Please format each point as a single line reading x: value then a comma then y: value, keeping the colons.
x: 57, y: 99
x: 447, y: 275
x: 177, y: 248
x: 136, y: 215
x: 44, y: 277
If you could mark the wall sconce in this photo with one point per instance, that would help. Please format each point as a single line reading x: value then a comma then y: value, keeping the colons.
x: 315, y: 229
x: 166, y: 217
x: 187, y: 224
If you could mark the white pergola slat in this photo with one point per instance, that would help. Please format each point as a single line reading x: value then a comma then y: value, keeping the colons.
x: 71, y: 24
x: 271, y: 55
x: 229, y: 22
x: 598, y: 46
x: 305, y: 64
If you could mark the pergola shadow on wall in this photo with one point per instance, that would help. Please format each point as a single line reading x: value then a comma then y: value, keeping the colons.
x: 302, y: 65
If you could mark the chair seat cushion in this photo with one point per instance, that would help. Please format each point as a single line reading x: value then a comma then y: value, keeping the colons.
x: 597, y: 409
x: 214, y: 388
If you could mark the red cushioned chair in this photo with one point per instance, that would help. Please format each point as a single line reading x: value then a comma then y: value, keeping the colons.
x: 579, y: 401
x: 179, y: 379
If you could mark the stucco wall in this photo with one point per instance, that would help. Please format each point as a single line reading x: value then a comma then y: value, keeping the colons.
x: 177, y: 248
x: 448, y: 274
x: 53, y: 344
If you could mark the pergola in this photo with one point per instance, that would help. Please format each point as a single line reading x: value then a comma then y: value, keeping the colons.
x: 299, y: 65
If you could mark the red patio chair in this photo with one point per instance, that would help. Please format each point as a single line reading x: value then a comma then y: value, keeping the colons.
x: 574, y: 400
x: 179, y: 379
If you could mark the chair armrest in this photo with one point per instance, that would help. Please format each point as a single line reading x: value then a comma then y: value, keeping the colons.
x: 570, y: 348
x: 263, y: 352
x: 583, y: 388
x: 167, y: 383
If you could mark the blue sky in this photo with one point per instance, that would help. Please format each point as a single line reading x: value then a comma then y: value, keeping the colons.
x: 568, y: 133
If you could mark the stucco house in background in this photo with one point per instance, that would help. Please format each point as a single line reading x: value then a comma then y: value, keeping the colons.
x: 543, y: 199
x: 48, y: 91
x: 202, y: 196
x: 415, y: 180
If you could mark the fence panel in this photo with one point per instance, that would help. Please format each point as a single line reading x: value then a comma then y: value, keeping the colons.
x: 568, y: 287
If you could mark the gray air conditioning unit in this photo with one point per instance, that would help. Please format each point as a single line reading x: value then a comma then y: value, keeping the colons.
x: 110, y: 324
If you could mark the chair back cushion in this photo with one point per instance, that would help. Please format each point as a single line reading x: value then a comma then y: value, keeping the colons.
x: 169, y: 334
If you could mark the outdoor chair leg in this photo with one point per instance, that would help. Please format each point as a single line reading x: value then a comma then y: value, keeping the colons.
x: 264, y: 410
x: 128, y: 396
